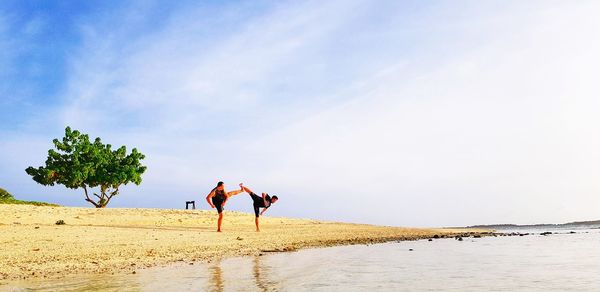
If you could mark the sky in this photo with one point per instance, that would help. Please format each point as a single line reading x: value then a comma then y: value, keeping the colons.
x: 403, y: 113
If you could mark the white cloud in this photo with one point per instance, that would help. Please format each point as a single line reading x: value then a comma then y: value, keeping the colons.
x: 503, y: 133
x: 453, y: 115
x: 174, y: 78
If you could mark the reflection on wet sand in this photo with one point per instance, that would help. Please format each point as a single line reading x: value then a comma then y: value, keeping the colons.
x: 219, y: 272
x: 226, y: 275
x: 485, y: 264
x: 216, y: 279
x: 261, y: 274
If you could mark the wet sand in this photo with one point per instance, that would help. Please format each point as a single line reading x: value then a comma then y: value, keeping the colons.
x: 115, y: 240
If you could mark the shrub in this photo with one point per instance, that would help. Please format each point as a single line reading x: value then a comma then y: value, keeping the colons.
x: 4, y: 195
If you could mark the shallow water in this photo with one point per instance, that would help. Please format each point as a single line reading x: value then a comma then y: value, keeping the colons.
x: 558, y: 262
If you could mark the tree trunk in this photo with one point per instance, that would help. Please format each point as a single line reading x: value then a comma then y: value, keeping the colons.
x: 87, y: 198
x: 103, y: 198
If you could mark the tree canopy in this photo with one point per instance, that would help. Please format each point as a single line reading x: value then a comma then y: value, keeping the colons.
x: 5, y: 194
x: 78, y: 163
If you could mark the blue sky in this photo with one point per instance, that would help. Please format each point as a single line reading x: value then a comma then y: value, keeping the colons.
x: 421, y: 113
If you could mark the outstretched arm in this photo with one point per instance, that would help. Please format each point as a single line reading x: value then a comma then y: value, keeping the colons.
x: 210, y: 195
x: 263, y: 211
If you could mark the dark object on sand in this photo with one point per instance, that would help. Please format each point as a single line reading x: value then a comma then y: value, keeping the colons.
x: 546, y: 233
x: 60, y: 222
x: 188, y: 203
x: 459, y: 238
x: 410, y: 249
x: 430, y: 239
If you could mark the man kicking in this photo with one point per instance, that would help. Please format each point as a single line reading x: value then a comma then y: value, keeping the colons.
x: 217, y: 199
x: 259, y: 202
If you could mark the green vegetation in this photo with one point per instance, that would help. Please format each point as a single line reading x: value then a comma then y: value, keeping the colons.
x: 4, y: 195
x: 7, y: 198
x: 78, y: 163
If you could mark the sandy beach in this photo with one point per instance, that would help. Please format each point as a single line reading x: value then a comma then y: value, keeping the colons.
x: 118, y: 240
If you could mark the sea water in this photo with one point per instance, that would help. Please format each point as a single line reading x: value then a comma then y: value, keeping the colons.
x: 557, y: 262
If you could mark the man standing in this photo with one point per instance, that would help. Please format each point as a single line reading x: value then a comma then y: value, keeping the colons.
x: 217, y: 199
x: 259, y: 202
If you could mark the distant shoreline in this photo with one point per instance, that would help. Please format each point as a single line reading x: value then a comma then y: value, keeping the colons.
x: 577, y: 224
x: 124, y: 240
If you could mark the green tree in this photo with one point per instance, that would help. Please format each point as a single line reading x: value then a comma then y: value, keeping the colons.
x: 4, y: 195
x: 78, y: 163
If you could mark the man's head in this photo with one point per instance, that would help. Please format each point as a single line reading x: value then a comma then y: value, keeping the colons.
x: 274, y: 199
x: 220, y: 186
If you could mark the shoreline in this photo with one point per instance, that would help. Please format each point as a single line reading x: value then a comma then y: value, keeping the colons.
x: 123, y: 240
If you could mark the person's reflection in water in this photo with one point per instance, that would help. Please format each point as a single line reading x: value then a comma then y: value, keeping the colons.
x: 216, y: 278
x: 261, y: 274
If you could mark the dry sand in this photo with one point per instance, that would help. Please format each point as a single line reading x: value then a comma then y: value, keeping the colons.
x: 123, y: 240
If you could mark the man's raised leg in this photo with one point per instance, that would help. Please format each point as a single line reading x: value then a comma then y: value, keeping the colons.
x: 233, y: 193
x: 245, y: 189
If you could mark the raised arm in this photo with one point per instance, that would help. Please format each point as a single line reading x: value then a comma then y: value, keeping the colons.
x: 210, y: 195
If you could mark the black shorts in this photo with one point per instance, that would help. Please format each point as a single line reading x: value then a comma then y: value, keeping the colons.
x: 218, y: 204
x: 257, y: 203
x: 256, y: 198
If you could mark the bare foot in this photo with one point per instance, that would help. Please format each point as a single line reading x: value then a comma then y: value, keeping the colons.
x: 218, y: 230
x: 242, y: 186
